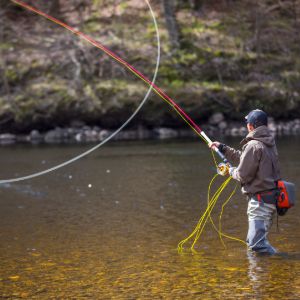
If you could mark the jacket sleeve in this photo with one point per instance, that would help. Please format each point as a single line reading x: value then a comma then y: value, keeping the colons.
x: 249, y: 163
x: 232, y: 155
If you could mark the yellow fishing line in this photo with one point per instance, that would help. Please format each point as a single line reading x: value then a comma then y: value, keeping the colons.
x: 203, y: 220
x: 211, y: 202
x: 220, y: 218
x: 214, y: 158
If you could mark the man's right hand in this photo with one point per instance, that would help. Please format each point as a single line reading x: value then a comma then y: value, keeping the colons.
x: 214, y: 145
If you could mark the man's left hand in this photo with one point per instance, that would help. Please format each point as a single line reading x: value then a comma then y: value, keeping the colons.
x: 231, y: 170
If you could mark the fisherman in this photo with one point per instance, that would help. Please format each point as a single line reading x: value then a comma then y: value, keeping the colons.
x: 257, y: 171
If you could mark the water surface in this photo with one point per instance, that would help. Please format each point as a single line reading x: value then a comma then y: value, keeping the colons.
x: 108, y: 226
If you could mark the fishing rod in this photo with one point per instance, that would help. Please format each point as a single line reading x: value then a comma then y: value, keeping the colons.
x: 222, y: 167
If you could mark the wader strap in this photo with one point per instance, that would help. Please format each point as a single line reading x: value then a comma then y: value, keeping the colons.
x: 269, y: 197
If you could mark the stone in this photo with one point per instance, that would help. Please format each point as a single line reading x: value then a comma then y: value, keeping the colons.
x: 143, y: 133
x: 103, y: 134
x: 297, y: 121
x: 272, y: 126
x: 91, y: 135
x: 223, y: 125
x: 127, y: 135
x: 216, y: 118
x: 7, y: 138
x: 166, y: 133
x: 56, y: 135
x: 80, y: 137
x: 35, y: 135
x: 243, y: 131
x: 234, y: 132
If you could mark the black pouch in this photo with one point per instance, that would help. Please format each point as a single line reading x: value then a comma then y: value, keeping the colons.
x: 269, y: 197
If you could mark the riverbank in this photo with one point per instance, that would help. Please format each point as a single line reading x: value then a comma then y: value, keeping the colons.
x: 87, y: 134
x: 230, y: 61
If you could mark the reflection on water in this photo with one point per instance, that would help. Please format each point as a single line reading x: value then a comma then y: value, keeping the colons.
x: 108, y: 227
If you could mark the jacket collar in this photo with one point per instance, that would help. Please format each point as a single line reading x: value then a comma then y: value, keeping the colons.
x: 257, y: 134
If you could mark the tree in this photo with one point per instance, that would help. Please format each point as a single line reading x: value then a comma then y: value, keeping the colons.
x: 172, y: 24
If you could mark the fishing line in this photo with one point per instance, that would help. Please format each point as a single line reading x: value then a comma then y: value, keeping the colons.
x: 98, y: 45
x: 211, y: 202
x: 219, y: 230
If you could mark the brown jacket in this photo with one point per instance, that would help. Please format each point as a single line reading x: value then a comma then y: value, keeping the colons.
x: 258, y: 166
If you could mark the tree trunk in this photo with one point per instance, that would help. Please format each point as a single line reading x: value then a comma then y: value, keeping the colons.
x: 196, y: 4
x: 172, y: 25
x: 55, y: 8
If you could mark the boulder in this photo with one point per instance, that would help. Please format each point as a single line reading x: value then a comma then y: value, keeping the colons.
x: 35, y: 135
x: 216, y: 118
x: 7, y: 138
x: 103, y: 134
x: 166, y: 133
x: 223, y: 125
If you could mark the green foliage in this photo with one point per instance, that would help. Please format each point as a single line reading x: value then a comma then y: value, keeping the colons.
x: 226, y: 63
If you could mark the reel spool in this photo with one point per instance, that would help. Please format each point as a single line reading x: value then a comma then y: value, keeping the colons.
x: 223, y: 169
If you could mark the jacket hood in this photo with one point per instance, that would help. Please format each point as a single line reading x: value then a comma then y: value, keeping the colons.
x: 261, y: 134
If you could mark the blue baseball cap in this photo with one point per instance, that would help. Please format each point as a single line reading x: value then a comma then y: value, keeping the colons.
x: 257, y: 118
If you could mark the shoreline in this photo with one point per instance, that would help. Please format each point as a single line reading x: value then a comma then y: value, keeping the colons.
x: 87, y: 134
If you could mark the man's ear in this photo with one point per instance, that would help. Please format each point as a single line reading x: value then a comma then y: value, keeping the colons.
x: 250, y: 127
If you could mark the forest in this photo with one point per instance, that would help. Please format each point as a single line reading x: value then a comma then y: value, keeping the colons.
x: 223, y: 56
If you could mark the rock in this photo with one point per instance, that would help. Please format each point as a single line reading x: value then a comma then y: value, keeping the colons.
x: 297, y: 121
x: 86, y: 128
x: 216, y: 118
x: 35, y: 135
x: 243, y: 131
x: 57, y: 135
x: 296, y: 129
x: 7, y: 138
x: 286, y: 129
x: 272, y: 126
x: 91, y: 135
x: 127, y: 135
x: 166, y: 133
x: 26, y: 139
x: 234, y: 132
x: 186, y: 133
x: 96, y: 128
x: 143, y: 133
x: 80, y: 137
x: 223, y: 125
x: 103, y: 134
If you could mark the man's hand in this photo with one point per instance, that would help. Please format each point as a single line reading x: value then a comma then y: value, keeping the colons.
x: 231, y: 170
x: 214, y: 144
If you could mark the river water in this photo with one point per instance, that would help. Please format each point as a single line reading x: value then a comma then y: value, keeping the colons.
x: 108, y: 227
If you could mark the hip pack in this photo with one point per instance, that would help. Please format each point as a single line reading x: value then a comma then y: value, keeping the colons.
x: 286, y: 197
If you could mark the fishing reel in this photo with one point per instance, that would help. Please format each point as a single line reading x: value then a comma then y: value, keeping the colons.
x: 223, y: 169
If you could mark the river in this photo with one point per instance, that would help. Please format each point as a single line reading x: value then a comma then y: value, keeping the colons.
x: 107, y: 227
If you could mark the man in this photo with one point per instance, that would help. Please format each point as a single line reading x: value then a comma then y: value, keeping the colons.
x: 258, y: 172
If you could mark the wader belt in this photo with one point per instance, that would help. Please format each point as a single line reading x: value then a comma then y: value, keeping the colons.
x: 269, y: 197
